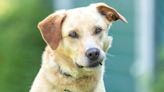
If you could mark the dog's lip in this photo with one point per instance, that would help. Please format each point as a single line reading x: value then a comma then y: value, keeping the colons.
x: 79, y: 66
x: 95, y: 64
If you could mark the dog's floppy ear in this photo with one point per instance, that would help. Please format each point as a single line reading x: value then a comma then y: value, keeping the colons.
x: 50, y: 29
x: 110, y: 13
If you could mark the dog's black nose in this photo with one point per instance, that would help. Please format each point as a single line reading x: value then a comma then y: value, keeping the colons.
x: 93, y: 54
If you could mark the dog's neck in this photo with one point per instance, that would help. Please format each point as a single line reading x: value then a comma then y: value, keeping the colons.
x: 54, y: 70
x: 51, y: 56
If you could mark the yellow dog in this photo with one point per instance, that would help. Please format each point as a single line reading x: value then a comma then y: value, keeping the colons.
x: 77, y: 40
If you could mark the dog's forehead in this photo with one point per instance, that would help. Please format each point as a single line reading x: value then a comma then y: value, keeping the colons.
x: 83, y: 14
x: 84, y: 17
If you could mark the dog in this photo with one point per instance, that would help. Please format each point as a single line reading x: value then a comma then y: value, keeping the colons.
x: 77, y: 41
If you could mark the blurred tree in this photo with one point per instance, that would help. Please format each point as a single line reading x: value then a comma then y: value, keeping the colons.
x: 20, y: 42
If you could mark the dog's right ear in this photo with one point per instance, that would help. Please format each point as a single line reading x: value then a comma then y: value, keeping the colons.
x: 50, y: 29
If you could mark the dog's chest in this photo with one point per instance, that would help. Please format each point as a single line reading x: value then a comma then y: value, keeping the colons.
x: 81, y: 85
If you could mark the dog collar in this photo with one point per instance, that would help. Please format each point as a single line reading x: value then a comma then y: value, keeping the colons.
x: 66, y: 90
x: 64, y: 73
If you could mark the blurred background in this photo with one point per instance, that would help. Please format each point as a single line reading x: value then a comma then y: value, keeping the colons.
x: 135, y: 63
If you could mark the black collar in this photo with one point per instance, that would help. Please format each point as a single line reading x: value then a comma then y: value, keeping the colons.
x: 66, y: 90
x: 64, y: 73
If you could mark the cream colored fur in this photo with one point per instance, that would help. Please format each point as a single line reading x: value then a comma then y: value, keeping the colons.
x: 70, y: 51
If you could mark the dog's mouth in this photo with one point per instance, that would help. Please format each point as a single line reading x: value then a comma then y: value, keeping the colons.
x: 91, y: 65
x: 94, y: 64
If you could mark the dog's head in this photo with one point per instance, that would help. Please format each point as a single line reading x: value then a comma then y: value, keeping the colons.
x: 80, y: 34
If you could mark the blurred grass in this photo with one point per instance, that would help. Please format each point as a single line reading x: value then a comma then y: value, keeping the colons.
x: 20, y: 42
x: 159, y: 73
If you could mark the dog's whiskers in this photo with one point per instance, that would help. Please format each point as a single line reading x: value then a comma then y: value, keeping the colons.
x: 109, y: 55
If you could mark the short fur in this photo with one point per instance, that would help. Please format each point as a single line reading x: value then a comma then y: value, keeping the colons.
x: 60, y: 71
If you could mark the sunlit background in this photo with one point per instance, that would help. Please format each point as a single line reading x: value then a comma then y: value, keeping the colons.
x: 135, y: 63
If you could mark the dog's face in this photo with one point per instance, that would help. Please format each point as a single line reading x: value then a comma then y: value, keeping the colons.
x: 80, y: 34
x: 84, y: 36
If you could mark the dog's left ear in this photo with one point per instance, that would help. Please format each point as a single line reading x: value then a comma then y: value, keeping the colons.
x: 50, y: 29
x: 110, y: 13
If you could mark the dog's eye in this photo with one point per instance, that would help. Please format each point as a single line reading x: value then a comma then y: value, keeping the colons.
x: 98, y: 30
x: 73, y: 34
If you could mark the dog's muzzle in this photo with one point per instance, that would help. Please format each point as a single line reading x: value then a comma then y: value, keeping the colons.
x: 94, y: 58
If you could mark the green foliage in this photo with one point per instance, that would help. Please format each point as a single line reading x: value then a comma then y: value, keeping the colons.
x: 159, y: 73
x: 161, y: 54
x: 20, y: 43
x: 159, y: 84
